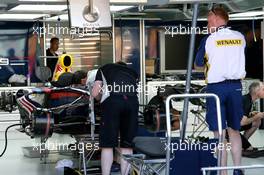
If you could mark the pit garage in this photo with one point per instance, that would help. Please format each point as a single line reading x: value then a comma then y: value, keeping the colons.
x: 142, y: 87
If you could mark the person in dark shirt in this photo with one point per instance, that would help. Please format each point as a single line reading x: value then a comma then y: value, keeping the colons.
x: 119, y: 112
x: 251, y: 119
x: 51, y: 52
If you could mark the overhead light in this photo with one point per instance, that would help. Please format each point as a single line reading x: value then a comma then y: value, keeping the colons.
x: 247, y: 18
x: 24, y: 7
x: 202, y: 19
x: 87, y: 43
x: 237, y: 19
x: 115, y: 8
x: 247, y: 14
x: 21, y: 16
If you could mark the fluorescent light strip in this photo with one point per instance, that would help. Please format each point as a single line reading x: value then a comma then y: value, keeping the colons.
x: 88, y: 48
x: 89, y: 57
x: 74, y: 44
x: 115, y: 8
x: 247, y: 14
x: 237, y: 18
x: 202, y: 19
x: 84, y: 52
x: 24, y: 7
x: 247, y: 18
x: 21, y: 16
x: 55, y: 18
x: 82, y: 39
x: 78, y: 48
x: 75, y: 40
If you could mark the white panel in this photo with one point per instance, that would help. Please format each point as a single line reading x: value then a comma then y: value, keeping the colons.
x: 82, y: 17
x: 39, y: 7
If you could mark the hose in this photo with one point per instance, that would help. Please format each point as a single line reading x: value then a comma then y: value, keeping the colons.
x: 6, y: 137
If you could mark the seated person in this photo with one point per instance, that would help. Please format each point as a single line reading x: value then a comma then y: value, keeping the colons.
x: 251, y: 119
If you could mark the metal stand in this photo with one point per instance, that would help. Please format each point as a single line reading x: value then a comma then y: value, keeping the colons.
x: 85, y: 155
x: 43, y: 154
x: 168, y: 123
x: 143, y: 165
x: 199, y: 124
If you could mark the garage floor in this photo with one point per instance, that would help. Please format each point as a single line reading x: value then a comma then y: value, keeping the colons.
x: 14, y: 163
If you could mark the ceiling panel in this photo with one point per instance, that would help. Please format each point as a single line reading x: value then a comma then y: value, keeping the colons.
x: 173, y: 11
x: 243, y: 5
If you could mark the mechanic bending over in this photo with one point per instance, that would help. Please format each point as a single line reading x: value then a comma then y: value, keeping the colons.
x: 119, y: 112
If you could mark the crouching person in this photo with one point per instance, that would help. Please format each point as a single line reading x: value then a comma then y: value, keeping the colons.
x: 251, y: 119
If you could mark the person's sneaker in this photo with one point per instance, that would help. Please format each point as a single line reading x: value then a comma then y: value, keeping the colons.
x: 238, y: 172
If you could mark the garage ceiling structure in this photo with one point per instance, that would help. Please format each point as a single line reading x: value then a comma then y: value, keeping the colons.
x: 163, y: 9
